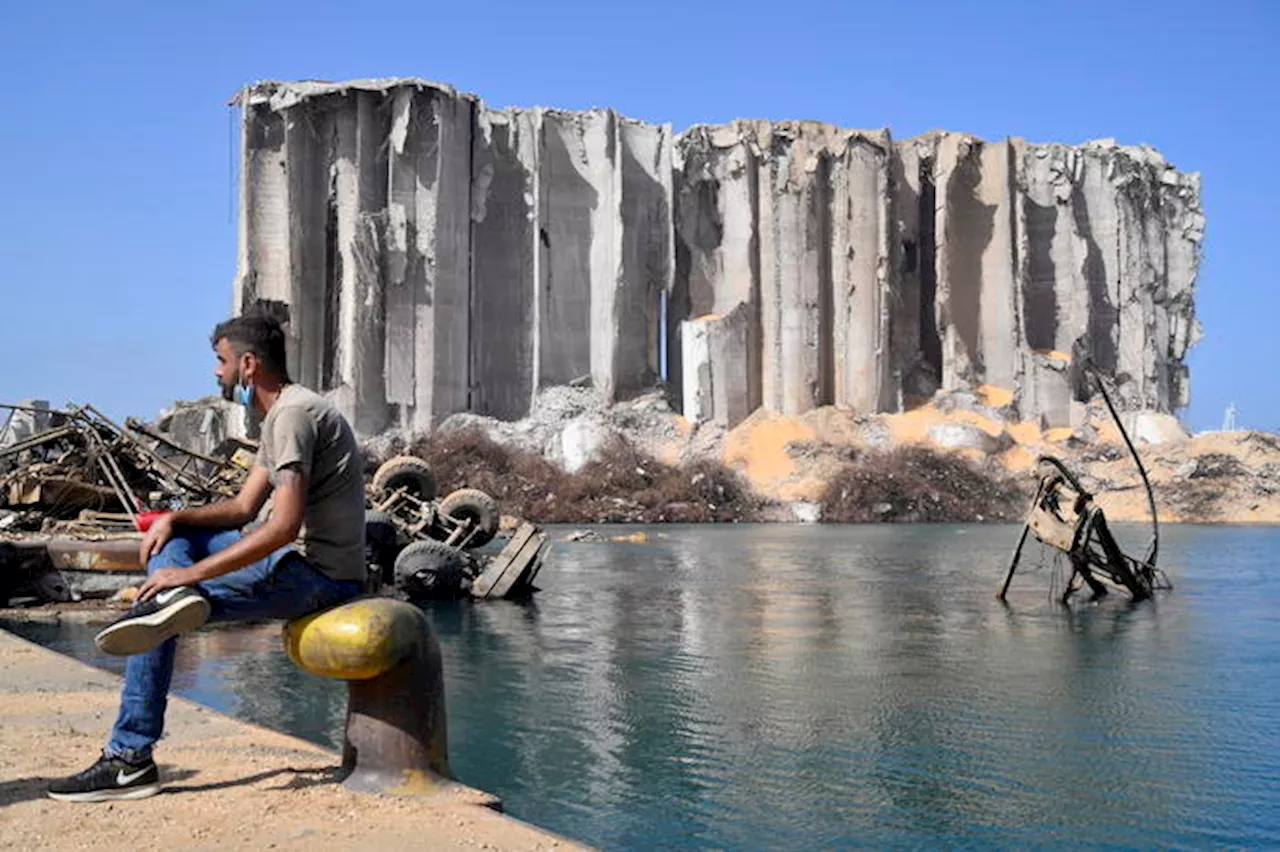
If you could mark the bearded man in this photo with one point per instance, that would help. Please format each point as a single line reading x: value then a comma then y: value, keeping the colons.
x: 222, y: 562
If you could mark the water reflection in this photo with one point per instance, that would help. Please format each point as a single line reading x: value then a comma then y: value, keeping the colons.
x: 744, y: 687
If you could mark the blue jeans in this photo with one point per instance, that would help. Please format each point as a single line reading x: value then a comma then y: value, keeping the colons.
x: 282, y: 586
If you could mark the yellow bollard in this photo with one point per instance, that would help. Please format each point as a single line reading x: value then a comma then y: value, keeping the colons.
x: 396, y: 738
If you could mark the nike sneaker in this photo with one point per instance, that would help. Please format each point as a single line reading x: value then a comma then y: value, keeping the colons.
x: 150, y: 622
x: 109, y: 780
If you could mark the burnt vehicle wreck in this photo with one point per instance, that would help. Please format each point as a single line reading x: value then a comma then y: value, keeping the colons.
x: 1067, y: 522
x: 427, y: 548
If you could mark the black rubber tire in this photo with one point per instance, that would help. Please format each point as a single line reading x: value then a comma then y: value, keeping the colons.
x: 429, y: 570
x: 472, y: 504
x: 408, y: 472
x: 381, y: 542
x: 9, y: 564
x: 49, y: 585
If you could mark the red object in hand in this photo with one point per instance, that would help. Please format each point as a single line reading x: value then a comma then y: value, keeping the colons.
x: 146, y: 519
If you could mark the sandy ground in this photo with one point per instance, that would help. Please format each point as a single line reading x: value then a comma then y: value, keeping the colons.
x: 229, y: 785
x: 1216, y: 477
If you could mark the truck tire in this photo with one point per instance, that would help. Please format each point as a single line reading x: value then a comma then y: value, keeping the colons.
x: 429, y: 570
x: 380, y: 543
x: 9, y: 565
x: 408, y: 472
x: 471, y: 504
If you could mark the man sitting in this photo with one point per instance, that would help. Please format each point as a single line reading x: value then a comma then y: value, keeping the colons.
x: 306, y: 554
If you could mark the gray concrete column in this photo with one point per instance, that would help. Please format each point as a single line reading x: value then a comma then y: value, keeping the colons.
x: 862, y: 289
x: 507, y: 237
x: 795, y: 266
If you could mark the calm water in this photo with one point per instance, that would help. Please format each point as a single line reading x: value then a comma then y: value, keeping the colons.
x: 800, y: 687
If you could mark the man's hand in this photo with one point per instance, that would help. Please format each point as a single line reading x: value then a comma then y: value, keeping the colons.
x: 165, y: 578
x: 158, y: 535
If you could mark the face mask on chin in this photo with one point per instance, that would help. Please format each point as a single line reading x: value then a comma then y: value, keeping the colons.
x: 241, y: 392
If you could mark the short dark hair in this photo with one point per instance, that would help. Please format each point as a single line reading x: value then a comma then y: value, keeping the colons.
x: 259, y: 333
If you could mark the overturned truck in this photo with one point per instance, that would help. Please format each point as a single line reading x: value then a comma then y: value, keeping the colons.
x: 426, y: 548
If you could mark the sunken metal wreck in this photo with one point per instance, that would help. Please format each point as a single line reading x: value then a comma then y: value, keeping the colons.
x: 1065, y: 519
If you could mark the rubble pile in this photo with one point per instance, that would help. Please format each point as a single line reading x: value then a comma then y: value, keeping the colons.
x: 918, y: 484
x: 75, y: 467
x: 618, y: 483
x: 76, y: 489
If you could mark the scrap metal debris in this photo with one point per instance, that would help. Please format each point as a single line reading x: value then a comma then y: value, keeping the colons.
x: 84, y: 462
x: 77, y: 490
x: 1065, y: 519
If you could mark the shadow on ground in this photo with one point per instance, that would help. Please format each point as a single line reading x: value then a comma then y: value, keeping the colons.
x: 21, y: 790
x: 302, y: 779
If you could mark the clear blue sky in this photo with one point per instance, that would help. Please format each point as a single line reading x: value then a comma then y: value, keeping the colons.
x: 117, y: 226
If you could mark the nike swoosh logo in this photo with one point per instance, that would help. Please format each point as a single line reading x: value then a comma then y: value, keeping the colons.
x: 167, y: 595
x: 122, y: 778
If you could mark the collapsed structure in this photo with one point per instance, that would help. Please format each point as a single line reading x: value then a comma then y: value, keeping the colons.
x: 435, y: 256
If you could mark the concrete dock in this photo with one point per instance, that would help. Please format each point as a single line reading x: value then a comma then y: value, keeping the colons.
x: 228, y: 784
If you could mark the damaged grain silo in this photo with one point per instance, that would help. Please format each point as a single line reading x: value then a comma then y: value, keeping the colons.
x: 436, y: 256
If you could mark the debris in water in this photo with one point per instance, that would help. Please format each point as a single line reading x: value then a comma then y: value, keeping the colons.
x: 1064, y: 517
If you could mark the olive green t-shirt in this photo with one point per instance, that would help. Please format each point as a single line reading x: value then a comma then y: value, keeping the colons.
x: 305, y: 429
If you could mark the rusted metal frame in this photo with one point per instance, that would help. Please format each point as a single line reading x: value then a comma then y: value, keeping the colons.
x: 173, y: 479
x: 1115, y: 562
x: 1013, y: 564
x: 123, y: 440
x: 425, y: 515
x: 115, y: 477
x: 142, y: 429
x: 13, y: 409
x: 123, y: 447
x: 462, y: 533
x: 1066, y: 474
x: 1041, y: 491
x: 414, y: 520
x: 138, y: 426
x: 1022, y: 540
x: 1080, y: 568
x: 184, y: 478
x: 121, y: 492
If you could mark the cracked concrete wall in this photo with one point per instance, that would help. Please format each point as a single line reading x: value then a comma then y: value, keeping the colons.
x: 506, y: 262
x: 1110, y: 245
x: 882, y: 271
x: 436, y: 255
x: 715, y: 373
x: 647, y: 261
x: 795, y: 265
x: 862, y: 273
x: 717, y: 243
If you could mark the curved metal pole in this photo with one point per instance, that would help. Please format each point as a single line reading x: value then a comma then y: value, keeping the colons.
x: 1154, y: 549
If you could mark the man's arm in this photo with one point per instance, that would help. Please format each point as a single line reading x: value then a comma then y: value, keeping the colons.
x: 280, y: 529
x: 293, y: 444
x: 230, y: 514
